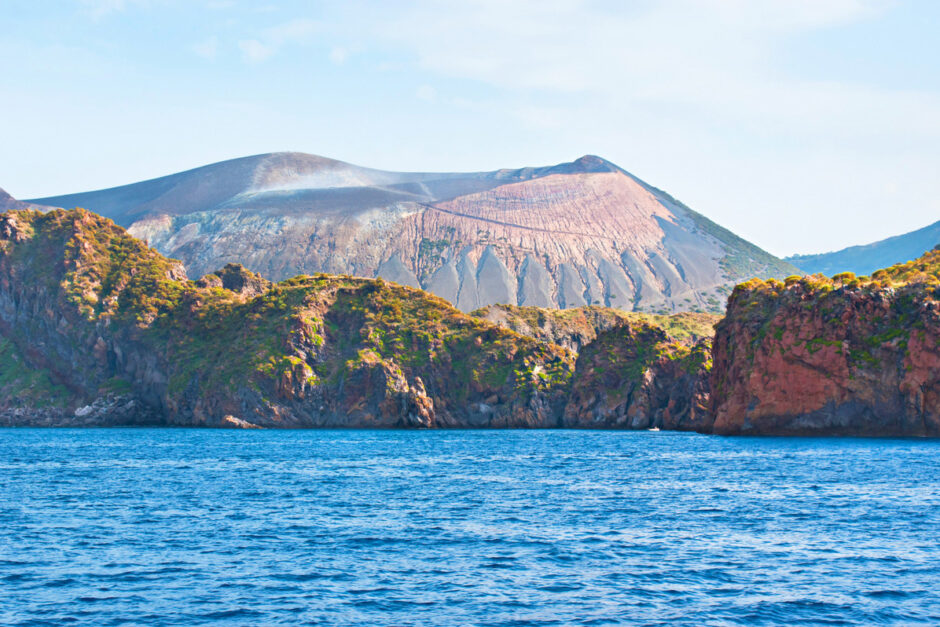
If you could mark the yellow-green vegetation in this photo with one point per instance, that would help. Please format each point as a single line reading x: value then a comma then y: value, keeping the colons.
x: 104, y: 274
x: 320, y: 329
x: 925, y: 271
x: 419, y: 331
x: 121, y: 300
x: 619, y: 359
x: 218, y: 338
x: 561, y: 325
x: 903, y: 292
x: 24, y: 385
x: 100, y: 269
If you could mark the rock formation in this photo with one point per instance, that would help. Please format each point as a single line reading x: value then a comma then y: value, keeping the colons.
x: 580, y: 233
x: 634, y: 370
x: 840, y: 356
x: 98, y: 329
x: 107, y: 324
x: 634, y: 376
x: 576, y: 328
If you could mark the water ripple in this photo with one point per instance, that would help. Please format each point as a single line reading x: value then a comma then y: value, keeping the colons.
x: 154, y: 527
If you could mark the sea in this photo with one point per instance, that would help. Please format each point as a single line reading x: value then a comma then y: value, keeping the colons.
x: 204, y: 527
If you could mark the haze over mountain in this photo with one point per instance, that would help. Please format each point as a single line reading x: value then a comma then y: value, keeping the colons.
x: 585, y: 232
x: 867, y: 258
x: 9, y: 203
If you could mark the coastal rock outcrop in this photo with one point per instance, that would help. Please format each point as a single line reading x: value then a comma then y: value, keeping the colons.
x: 634, y: 376
x: 111, y: 325
x: 98, y: 329
x: 842, y: 356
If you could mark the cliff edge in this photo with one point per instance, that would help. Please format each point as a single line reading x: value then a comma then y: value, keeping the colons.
x: 842, y: 356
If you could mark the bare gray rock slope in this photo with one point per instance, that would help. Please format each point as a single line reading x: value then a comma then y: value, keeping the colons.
x: 578, y: 233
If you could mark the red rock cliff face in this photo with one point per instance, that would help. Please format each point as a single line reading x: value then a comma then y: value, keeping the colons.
x: 817, y: 357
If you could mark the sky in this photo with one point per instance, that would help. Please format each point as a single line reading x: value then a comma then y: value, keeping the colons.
x: 801, y: 125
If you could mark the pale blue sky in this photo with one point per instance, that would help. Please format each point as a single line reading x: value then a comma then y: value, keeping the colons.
x: 802, y: 125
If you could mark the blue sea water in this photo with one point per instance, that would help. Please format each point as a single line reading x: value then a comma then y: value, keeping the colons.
x: 174, y: 526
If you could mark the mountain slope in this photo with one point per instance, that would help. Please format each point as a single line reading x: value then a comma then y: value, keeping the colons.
x: 864, y: 260
x: 579, y: 233
x: 8, y: 203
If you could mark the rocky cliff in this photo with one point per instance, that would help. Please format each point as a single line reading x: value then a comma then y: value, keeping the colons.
x: 843, y: 356
x: 635, y: 376
x: 113, y: 325
x: 576, y: 328
x: 96, y: 328
x: 634, y: 370
x: 580, y: 233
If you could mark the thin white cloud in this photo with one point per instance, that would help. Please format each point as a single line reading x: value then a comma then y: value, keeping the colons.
x: 711, y: 58
x: 573, y: 45
x: 207, y: 49
x: 101, y: 8
x: 539, y: 117
x: 426, y: 93
x: 338, y: 55
x: 784, y: 15
x: 296, y: 31
x: 271, y: 40
x: 253, y: 51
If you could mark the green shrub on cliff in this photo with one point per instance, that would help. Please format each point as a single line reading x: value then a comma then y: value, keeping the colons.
x: 22, y: 384
x: 418, y: 330
x: 101, y: 268
x: 563, y: 325
x: 112, y: 316
x: 848, y: 354
x: 232, y: 340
